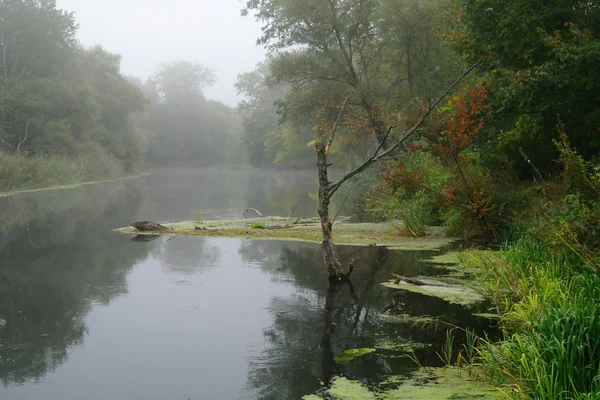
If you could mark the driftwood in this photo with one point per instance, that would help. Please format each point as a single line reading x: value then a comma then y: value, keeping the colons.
x: 413, y: 281
x: 148, y: 226
x: 247, y: 210
x: 282, y: 226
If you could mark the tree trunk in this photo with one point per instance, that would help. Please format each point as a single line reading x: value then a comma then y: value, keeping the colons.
x: 332, y: 262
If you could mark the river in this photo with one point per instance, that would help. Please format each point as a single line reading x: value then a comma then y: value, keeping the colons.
x: 90, y: 314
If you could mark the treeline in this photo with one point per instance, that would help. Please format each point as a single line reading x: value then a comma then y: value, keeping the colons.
x: 511, y: 155
x: 59, y: 99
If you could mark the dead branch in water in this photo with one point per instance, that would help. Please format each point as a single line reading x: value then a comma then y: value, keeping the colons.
x: 413, y: 281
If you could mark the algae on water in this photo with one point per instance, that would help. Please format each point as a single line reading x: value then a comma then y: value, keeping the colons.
x: 345, y: 389
x: 426, y: 384
x: 440, y: 384
x: 397, y: 345
x: 455, y: 294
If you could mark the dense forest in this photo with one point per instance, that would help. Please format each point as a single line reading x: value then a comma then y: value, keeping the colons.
x: 68, y: 113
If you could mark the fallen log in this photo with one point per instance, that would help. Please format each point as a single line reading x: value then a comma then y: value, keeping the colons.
x: 149, y: 226
x: 413, y: 281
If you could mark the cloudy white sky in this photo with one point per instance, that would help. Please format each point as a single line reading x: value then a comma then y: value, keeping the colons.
x: 146, y: 32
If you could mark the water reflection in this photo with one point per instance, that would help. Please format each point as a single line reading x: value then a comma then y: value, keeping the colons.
x: 186, y: 255
x: 92, y: 314
x: 321, y: 320
x: 54, y: 265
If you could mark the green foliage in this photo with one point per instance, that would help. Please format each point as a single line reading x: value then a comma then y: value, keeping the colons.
x: 57, y: 98
x: 558, y: 356
x: 198, y: 216
x: 448, y: 350
x: 258, y: 225
x: 542, y: 58
x: 367, y: 55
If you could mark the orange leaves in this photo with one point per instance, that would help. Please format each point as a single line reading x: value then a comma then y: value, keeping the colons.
x: 354, y: 124
x: 463, y: 120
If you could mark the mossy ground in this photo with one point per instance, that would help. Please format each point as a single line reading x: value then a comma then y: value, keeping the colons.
x: 309, y: 230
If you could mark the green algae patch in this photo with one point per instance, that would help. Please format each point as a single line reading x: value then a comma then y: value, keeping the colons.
x: 351, y: 354
x: 400, y: 346
x: 459, y: 264
x: 454, y: 294
x: 345, y: 389
x: 426, y: 384
x: 440, y: 384
x: 304, y: 229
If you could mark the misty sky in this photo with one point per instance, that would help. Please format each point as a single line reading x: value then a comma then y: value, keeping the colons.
x: 146, y: 32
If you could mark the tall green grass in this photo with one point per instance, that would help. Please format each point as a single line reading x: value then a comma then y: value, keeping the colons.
x: 18, y: 172
x: 550, y: 307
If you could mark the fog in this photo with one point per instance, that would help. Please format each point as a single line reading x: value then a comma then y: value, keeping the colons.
x: 148, y: 32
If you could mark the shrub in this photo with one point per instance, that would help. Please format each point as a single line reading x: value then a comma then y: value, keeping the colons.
x: 258, y: 225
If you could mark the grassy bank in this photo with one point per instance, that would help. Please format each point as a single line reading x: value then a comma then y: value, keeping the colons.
x: 548, y: 300
x: 19, y: 172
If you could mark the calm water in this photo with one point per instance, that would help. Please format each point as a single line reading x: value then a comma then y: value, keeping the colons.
x: 92, y: 315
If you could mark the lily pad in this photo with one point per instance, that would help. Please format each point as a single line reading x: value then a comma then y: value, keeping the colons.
x: 455, y: 294
x: 351, y: 354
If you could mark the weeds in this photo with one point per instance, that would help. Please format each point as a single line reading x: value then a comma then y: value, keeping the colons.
x: 19, y: 172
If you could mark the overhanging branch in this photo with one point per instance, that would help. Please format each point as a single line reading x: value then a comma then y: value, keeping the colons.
x: 334, y: 186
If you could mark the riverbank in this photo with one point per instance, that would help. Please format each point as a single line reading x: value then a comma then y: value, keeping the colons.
x: 19, y: 173
x: 71, y: 186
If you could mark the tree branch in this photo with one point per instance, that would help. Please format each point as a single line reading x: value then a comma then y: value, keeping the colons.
x: 334, y: 186
x: 337, y: 123
x: 22, y: 141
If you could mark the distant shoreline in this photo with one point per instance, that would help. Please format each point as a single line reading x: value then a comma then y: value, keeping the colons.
x: 70, y: 186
